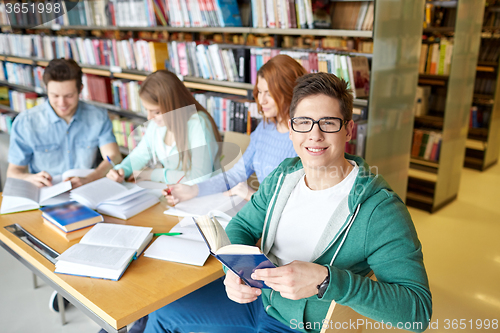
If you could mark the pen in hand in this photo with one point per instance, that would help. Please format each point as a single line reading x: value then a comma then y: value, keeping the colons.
x: 169, y: 191
x: 110, y: 161
x: 167, y: 234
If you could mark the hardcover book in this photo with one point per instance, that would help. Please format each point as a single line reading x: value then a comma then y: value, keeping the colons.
x: 70, y: 216
x: 242, y: 260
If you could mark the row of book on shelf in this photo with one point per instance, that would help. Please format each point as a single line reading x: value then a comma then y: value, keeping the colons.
x: 436, y: 16
x: 307, y: 14
x: 426, y: 144
x: 242, y: 64
x: 19, y: 101
x: 479, y: 116
x: 489, y: 50
x: 435, y: 56
x: 184, y: 58
x: 128, y: 13
x: 126, y: 54
x: 485, y: 86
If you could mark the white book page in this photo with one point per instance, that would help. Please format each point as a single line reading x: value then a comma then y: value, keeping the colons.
x: 98, y: 256
x: 123, y: 197
x: 54, y: 190
x: 71, y: 173
x: 176, y: 249
x: 58, y: 199
x: 92, y: 194
x: 116, y: 235
x: 17, y: 204
x: 130, y: 208
x: 21, y: 188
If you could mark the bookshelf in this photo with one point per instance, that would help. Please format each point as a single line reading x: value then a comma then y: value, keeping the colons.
x: 434, y: 184
x: 396, y: 34
x: 483, y: 139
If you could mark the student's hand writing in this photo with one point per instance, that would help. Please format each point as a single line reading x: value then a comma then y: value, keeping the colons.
x: 179, y: 192
x: 77, y: 181
x: 238, y: 291
x: 242, y: 190
x: 40, y: 179
x: 298, y: 279
x: 116, y: 175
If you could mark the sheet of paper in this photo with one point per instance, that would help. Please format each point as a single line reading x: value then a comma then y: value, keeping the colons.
x: 52, y: 191
x: 116, y: 235
x: 181, y: 250
x: 204, y: 205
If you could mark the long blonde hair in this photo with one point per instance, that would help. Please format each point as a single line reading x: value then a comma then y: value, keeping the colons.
x: 163, y: 88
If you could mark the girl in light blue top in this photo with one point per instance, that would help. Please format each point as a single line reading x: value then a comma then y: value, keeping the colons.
x: 269, y: 143
x: 180, y: 135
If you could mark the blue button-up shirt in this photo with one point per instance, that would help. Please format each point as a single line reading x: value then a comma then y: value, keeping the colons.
x: 45, y: 142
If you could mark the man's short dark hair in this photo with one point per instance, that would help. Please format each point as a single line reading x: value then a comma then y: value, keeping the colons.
x: 63, y: 70
x: 323, y: 84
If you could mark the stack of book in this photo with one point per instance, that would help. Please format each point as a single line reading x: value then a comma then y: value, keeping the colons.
x: 70, y: 220
x: 96, y: 88
x: 6, y: 122
x: 128, y: 132
x: 126, y: 95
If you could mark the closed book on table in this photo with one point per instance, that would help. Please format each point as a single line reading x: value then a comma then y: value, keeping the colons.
x: 70, y: 216
x: 68, y: 236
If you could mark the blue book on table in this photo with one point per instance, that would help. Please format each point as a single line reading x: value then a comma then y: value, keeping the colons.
x: 70, y: 216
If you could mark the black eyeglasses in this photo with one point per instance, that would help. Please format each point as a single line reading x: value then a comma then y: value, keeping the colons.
x: 326, y: 124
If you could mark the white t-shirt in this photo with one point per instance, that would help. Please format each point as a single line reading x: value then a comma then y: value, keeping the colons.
x: 305, y: 217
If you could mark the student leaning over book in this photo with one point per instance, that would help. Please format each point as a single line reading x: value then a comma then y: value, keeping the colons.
x: 62, y: 134
x: 326, y: 221
x: 180, y: 134
x: 269, y: 143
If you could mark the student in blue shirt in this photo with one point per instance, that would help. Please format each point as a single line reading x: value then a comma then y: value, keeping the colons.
x: 61, y: 134
x: 269, y: 143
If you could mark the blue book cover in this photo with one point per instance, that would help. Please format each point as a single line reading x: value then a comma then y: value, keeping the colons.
x: 241, y: 259
x: 228, y: 13
x: 71, y: 215
x: 244, y: 265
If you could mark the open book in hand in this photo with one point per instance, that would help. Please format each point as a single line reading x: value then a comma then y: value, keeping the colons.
x: 20, y: 195
x: 111, y: 198
x: 105, y: 251
x: 243, y: 260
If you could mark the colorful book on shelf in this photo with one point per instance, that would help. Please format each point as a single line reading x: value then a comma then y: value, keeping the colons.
x: 68, y: 236
x: 105, y: 251
x: 242, y: 260
x: 70, y: 216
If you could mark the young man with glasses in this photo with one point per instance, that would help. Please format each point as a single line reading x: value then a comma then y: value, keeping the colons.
x: 326, y: 221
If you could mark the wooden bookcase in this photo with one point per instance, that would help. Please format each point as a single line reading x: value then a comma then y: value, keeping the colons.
x: 396, y: 35
x: 432, y: 185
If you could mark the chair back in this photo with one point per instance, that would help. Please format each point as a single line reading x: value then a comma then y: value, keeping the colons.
x: 343, y: 314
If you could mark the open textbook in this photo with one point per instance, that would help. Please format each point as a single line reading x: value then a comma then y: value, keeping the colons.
x: 111, y: 198
x: 243, y: 260
x: 215, y: 205
x: 105, y: 251
x: 20, y: 195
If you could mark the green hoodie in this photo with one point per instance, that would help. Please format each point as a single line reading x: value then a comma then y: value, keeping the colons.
x: 377, y: 234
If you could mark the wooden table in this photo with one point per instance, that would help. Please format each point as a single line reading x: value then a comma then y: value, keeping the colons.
x: 147, y: 285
